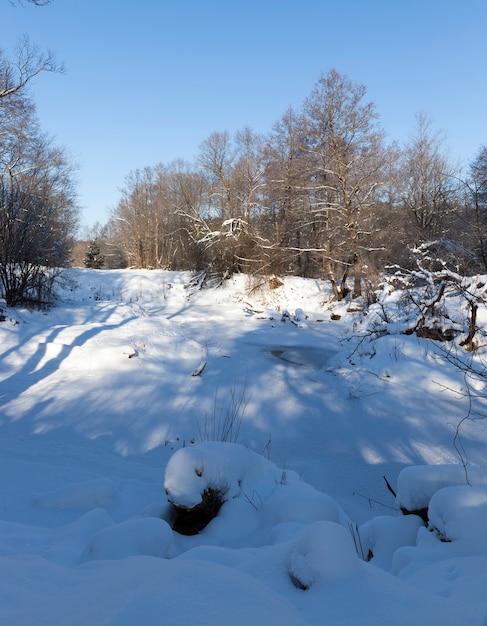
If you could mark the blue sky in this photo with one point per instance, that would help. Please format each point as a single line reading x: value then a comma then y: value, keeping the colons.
x: 148, y: 80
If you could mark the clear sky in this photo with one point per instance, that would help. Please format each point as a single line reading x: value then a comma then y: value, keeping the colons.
x: 148, y: 80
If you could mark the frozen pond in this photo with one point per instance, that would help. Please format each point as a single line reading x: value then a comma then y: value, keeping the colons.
x: 302, y: 356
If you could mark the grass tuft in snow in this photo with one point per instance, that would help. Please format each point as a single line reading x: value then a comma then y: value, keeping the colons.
x: 224, y: 422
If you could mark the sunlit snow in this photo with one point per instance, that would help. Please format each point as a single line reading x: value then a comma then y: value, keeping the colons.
x: 113, y: 408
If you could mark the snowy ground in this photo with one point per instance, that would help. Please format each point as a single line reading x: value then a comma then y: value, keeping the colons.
x: 109, y: 403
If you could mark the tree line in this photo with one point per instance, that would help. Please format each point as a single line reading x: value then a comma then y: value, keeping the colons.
x: 322, y: 195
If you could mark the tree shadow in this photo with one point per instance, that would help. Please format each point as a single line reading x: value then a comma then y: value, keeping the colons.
x: 48, y: 355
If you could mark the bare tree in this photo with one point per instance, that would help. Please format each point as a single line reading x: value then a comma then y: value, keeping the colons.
x: 148, y: 223
x: 235, y: 171
x: 347, y: 159
x: 28, y: 63
x: 216, y: 157
x: 477, y: 196
x: 286, y: 194
x: 38, y: 213
x: 190, y: 198
x: 428, y: 186
x: 36, y: 229
x: 135, y: 227
x: 250, y: 167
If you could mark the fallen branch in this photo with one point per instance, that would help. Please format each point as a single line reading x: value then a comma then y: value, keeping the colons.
x: 200, y: 369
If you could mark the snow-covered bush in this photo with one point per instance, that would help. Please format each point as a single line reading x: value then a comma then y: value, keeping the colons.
x: 439, y: 305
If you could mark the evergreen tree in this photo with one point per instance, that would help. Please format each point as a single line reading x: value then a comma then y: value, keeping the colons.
x: 93, y: 259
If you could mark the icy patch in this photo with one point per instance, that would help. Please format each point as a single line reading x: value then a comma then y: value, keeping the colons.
x: 303, y: 356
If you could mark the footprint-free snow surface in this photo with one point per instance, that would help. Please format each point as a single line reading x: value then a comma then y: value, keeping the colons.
x: 113, y: 407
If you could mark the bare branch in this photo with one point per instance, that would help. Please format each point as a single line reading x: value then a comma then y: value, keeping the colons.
x: 36, y: 3
x: 29, y: 62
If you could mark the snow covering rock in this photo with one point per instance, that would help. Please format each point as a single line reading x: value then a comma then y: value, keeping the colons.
x: 324, y: 551
x: 380, y: 537
x: 258, y: 498
x: 231, y: 469
x: 417, y: 484
x: 459, y: 514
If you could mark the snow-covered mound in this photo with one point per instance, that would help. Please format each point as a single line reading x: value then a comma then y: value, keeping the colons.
x: 323, y: 552
x: 459, y: 515
x: 231, y: 469
x: 148, y: 536
x: 259, y: 499
x: 418, y: 484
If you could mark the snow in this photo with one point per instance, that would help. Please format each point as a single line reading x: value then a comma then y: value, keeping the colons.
x: 112, y: 407
x: 323, y: 552
x: 230, y: 468
x: 417, y: 485
x: 83, y: 496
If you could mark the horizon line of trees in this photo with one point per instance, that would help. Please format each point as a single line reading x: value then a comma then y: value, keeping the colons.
x: 322, y: 195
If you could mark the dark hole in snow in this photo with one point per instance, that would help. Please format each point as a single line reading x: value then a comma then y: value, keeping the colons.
x: 422, y: 513
x: 297, y: 583
x: 303, y: 356
x: 192, y: 521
